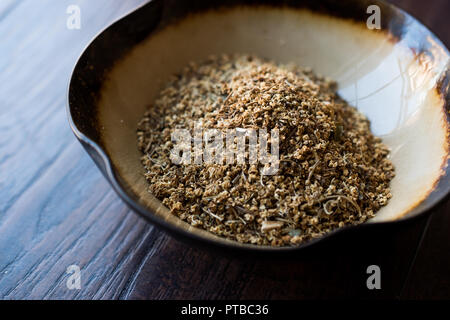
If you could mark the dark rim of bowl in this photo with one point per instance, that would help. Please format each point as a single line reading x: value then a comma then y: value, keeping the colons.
x: 83, y: 120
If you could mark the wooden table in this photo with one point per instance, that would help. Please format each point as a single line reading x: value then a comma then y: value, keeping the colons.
x: 57, y: 210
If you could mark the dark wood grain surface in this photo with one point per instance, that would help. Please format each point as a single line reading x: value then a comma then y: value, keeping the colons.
x: 57, y: 210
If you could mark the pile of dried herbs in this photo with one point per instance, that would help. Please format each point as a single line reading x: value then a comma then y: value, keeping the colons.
x: 333, y: 172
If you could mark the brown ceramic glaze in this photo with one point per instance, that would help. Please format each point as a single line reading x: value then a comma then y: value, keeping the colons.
x: 398, y: 76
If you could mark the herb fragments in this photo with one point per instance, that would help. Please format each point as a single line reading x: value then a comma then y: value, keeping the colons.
x: 332, y: 172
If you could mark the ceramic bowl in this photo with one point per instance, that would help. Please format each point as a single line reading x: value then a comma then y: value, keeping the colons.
x: 397, y: 75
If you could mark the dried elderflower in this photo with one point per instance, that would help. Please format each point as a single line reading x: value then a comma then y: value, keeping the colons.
x: 332, y: 170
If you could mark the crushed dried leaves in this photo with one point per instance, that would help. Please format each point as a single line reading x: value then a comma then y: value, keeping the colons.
x: 333, y: 170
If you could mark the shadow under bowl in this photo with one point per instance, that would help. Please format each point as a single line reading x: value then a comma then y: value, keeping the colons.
x: 398, y: 76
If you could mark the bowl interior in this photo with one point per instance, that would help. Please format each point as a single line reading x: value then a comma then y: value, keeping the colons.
x: 393, y: 84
